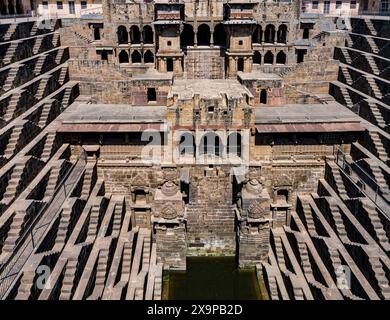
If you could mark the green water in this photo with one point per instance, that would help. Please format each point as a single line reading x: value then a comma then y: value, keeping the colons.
x: 211, y: 278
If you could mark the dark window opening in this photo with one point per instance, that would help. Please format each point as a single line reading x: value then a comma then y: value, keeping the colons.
x: 257, y: 57
x: 148, y: 57
x: 170, y: 65
x: 301, y: 55
x: 148, y: 34
x: 204, y: 35
x: 96, y: 33
x: 257, y: 35
x: 269, y: 58
x: 83, y: 4
x: 136, y: 57
x: 306, y: 33
x: 187, y: 36
x: 219, y: 35
x: 263, y: 96
x: 240, y: 64
x: 152, y: 96
x: 282, y: 34
x: 104, y: 55
x: 60, y: 6
x: 123, y: 57
x: 269, y: 34
x: 135, y: 35
x: 122, y: 35
x: 281, y: 58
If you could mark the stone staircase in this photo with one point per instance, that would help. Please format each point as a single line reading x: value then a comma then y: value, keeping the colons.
x: 56, y: 39
x: 374, y: 87
x: 308, y: 215
x: 34, y: 30
x: 42, y: 87
x: 13, y: 141
x: 66, y: 97
x: 93, y: 221
x: 12, y: 106
x: 346, y: 55
x: 346, y: 75
x: 377, y: 115
x: 39, y: 65
x: 10, y: 32
x: 37, y: 45
x: 11, y: 76
x: 13, y: 183
x: 377, y: 224
x: 44, y: 115
x: 374, y: 47
x: 10, y: 53
x: 62, y: 232
x: 339, y: 182
x: 59, y: 55
x: 378, y: 145
x: 371, y: 27
x: 338, y: 221
x: 14, y: 232
x: 346, y: 96
x: 126, y: 260
x: 379, y: 177
x: 305, y: 261
x: 26, y: 283
x: 62, y: 77
x: 47, y: 149
x: 68, y: 280
x: 52, y: 182
x: 380, y: 276
x: 117, y: 217
x: 279, y: 253
x: 101, y: 270
x: 87, y: 182
x: 374, y: 68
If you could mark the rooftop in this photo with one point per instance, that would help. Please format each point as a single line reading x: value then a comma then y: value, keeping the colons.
x: 208, y: 89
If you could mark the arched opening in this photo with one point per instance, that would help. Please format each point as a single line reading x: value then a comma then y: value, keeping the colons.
x: 123, y: 57
x: 204, y: 35
x: 240, y: 64
x: 257, y: 35
x: 263, y: 96
x: 18, y: 7
x: 282, y: 195
x: 211, y: 144
x: 269, y: 58
x: 281, y: 58
x: 148, y: 57
x: 170, y: 65
x: 3, y: 7
x: 282, y: 34
x: 269, y: 34
x: 187, y: 36
x: 257, y: 57
x: 152, y: 96
x: 148, y: 34
x: 11, y: 8
x: 234, y: 144
x: 219, y: 35
x: 122, y: 35
x: 96, y: 33
x: 136, y: 57
x: 135, y: 35
x: 187, y: 144
x: 306, y: 33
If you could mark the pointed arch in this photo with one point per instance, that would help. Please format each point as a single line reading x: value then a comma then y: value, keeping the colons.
x: 148, y: 57
x: 123, y: 57
x: 135, y: 35
x: 269, y: 58
x: 281, y: 58
x: 256, y: 57
x: 136, y: 57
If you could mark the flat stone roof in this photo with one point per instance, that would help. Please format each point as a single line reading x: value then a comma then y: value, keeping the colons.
x: 113, y: 113
x: 258, y: 75
x: 305, y: 113
x: 208, y: 89
x: 152, y: 74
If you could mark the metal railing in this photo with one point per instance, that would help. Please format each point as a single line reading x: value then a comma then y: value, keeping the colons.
x: 27, y: 243
x: 361, y: 179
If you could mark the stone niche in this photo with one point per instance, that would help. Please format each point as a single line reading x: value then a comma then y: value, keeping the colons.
x: 254, y: 224
x: 169, y: 226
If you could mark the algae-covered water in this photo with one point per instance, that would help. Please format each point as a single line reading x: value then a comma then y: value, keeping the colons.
x: 211, y: 278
